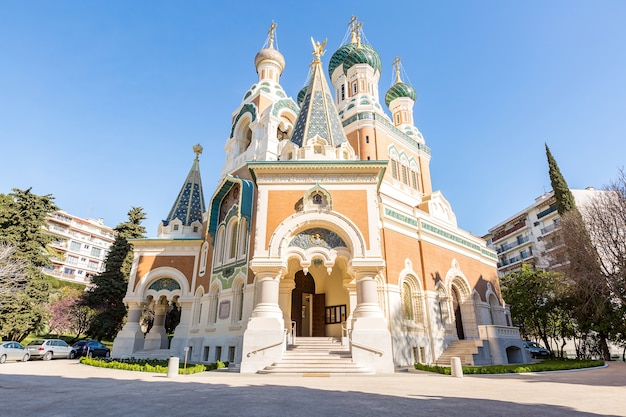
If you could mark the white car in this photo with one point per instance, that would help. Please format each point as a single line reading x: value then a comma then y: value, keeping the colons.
x: 47, y: 349
x: 13, y: 351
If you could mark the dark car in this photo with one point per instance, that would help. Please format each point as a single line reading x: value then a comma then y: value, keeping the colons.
x: 89, y: 348
x: 536, y: 350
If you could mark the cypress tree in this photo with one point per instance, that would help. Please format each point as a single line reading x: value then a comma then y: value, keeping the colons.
x: 110, y: 286
x: 564, y: 197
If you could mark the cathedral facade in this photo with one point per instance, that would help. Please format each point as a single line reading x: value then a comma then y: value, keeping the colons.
x: 324, y: 224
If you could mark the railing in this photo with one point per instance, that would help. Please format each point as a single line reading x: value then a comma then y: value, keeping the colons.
x: 550, y: 228
x: 254, y: 352
x: 375, y: 351
x: 293, y: 332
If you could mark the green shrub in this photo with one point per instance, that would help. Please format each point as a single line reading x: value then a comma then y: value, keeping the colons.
x: 140, y: 365
x: 544, y: 366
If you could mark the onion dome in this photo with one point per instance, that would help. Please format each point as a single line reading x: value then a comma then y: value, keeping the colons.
x: 339, y: 56
x: 363, y: 54
x: 400, y: 89
x: 270, y: 54
x: 302, y: 94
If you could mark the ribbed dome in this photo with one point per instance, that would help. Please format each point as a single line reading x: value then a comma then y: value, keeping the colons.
x: 364, y: 54
x: 339, y: 56
x: 400, y: 90
x: 270, y: 54
x: 301, y: 95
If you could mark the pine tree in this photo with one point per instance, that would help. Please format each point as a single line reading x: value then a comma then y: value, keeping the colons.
x: 564, y: 197
x: 110, y: 286
x: 22, y: 225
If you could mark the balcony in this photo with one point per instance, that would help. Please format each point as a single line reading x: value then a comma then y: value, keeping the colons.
x: 550, y: 228
x: 547, y: 211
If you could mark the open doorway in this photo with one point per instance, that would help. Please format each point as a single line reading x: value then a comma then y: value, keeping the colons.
x: 307, y: 307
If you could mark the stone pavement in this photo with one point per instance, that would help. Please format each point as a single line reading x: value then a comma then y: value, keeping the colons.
x: 67, y: 388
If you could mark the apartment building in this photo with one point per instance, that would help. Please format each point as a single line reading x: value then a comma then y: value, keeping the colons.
x: 528, y: 236
x: 83, y: 245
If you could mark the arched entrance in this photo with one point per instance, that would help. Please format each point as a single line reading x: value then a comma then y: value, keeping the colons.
x: 458, y: 318
x: 307, y: 307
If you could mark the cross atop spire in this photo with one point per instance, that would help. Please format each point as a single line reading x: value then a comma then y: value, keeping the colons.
x: 272, y: 34
x: 396, y: 65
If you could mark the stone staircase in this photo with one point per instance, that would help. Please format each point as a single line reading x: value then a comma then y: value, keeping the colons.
x: 464, y: 349
x: 316, y: 356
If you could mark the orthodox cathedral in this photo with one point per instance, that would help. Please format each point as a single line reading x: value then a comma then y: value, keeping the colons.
x: 324, y: 226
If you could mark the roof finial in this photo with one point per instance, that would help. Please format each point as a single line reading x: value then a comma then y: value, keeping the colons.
x: 272, y: 33
x: 352, y: 24
x: 396, y: 64
x: 198, y: 150
x: 318, y: 49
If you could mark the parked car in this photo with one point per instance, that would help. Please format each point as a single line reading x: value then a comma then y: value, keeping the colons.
x: 89, y: 348
x: 536, y: 350
x: 13, y: 351
x: 47, y: 349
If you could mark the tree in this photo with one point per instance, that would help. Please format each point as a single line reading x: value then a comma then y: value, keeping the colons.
x: 536, y: 298
x: 596, y: 245
x: 67, y: 315
x: 22, y: 225
x: 564, y: 198
x: 110, y: 286
x: 12, y: 275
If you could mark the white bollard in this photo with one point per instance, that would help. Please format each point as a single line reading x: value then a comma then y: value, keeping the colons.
x: 172, y: 367
x: 455, y: 367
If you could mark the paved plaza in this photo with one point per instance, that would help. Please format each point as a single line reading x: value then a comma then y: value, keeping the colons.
x: 67, y: 388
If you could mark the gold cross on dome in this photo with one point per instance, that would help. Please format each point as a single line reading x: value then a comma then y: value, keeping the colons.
x: 272, y: 32
x: 396, y: 64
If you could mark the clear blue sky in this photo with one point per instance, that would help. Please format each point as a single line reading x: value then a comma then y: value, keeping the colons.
x: 102, y: 101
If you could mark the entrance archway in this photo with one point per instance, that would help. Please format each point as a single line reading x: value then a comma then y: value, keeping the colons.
x: 307, y: 307
x: 458, y: 318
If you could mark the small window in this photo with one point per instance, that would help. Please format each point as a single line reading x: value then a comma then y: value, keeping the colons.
x: 354, y: 88
x: 195, y: 229
x: 231, y: 354
x: 218, y: 353
x: 367, y: 139
x: 343, y: 92
x: 175, y: 227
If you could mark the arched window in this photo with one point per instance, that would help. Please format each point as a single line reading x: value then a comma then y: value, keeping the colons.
x: 219, y: 247
x: 233, y: 241
x: 243, y: 231
x: 213, y: 299
x: 203, y: 258
x: 407, y: 301
x: 237, y: 315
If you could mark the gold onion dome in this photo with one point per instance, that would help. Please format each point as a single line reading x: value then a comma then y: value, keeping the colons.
x: 270, y: 54
x: 399, y: 89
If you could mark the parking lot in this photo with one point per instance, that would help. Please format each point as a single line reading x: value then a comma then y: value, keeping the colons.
x: 67, y: 388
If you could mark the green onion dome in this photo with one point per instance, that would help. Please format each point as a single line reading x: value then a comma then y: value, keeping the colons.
x: 363, y: 54
x: 399, y: 90
x: 339, y: 56
x: 301, y: 95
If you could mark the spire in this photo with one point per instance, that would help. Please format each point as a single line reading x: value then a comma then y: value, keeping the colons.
x: 189, y: 205
x: 318, y: 114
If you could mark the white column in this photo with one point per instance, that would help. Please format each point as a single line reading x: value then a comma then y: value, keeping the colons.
x: 284, y: 300
x: 157, y: 337
x: 264, y: 338
x: 130, y: 339
x: 370, y: 343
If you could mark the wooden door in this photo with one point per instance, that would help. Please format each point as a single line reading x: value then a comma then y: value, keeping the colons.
x: 319, y: 311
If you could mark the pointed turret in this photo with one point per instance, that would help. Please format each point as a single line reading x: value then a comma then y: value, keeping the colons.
x: 185, y: 217
x: 318, y: 130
